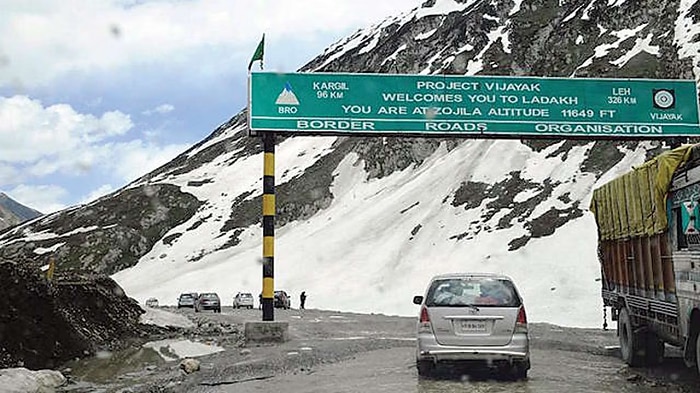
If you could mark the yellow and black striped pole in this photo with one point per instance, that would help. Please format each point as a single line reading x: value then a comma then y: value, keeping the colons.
x: 268, y: 224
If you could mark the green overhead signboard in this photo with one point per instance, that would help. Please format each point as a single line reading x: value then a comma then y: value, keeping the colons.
x: 498, y: 107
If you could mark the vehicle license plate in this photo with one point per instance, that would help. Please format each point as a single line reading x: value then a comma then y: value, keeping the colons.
x: 473, y: 326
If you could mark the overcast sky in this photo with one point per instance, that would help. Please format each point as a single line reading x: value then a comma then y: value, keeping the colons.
x: 95, y: 93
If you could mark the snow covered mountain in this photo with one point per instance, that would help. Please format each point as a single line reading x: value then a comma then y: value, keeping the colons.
x: 13, y: 212
x: 362, y: 223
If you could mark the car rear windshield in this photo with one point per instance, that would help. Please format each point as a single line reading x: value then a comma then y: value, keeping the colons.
x: 246, y: 295
x: 210, y: 296
x: 185, y: 296
x: 472, y: 291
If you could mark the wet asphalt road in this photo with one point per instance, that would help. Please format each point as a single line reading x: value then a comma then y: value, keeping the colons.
x: 393, y: 370
x: 345, y: 352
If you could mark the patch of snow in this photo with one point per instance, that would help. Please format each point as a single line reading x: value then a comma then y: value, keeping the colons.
x: 426, y: 70
x: 425, y: 35
x: 685, y: 32
x: 631, y: 159
x: 396, y: 52
x: 371, y: 45
x: 158, y: 317
x: 466, y: 47
x: 579, y: 40
x: 448, y: 60
x: 586, y: 10
x: 44, y: 250
x: 22, y: 380
x: 491, y: 17
x: 601, y: 30
x: 571, y: 15
x: 23, y: 227
x: 615, y: 3
x: 640, y: 45
x: 476, y: 64
x: 565, y: 172
x: 29, y: 236
x: 516, y: 7
x: 173, y: 349
x: 622, y: 35
x: 501, y: 32
x: 525, y: 195
x: 443, y: 7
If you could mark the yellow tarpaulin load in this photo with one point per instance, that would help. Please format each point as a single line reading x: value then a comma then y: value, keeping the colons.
x: 634, y: 204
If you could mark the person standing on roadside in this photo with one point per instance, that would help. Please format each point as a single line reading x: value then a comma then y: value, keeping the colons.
x: 302, y: 300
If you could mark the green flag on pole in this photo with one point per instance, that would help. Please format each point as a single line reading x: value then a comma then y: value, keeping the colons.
x: 258, y: 55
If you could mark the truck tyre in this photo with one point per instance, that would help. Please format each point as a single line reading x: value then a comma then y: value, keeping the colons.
x: 655, y: 349
x: 697, y: 353
x: 631, y: 345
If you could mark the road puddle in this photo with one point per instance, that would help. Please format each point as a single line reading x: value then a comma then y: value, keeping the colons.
x: 107, y: 367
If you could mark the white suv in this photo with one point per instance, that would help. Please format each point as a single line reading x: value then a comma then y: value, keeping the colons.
x: 472, y: 320
x: 243, y: 299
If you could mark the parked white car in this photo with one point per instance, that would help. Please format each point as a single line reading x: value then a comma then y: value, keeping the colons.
x: 243, y: 299
x: 152, y: 302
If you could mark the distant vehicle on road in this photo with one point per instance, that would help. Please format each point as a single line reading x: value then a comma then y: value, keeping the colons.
x: 474, y: 320
x: 282, y: 300
x: 243, y: 299
x: 207, y: 301
x: 187, y: 299
x: 152, y: 302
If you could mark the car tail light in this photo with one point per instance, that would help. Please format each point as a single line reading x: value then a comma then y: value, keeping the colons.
x: 425, y: 326
x: 424, y: 317
x: 521, y: 321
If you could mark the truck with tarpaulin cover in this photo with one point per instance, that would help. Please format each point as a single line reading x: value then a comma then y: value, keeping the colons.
x: 648, y: 222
